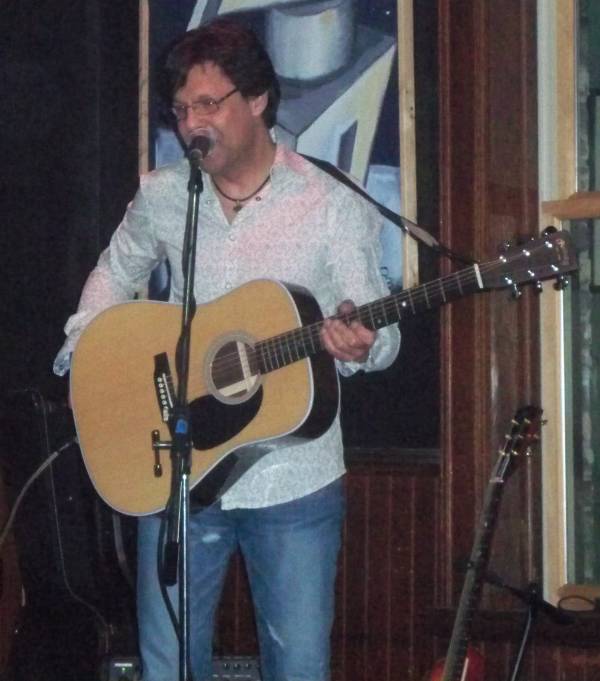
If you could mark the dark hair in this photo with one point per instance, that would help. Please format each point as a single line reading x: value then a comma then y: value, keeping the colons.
x: 235, y: 49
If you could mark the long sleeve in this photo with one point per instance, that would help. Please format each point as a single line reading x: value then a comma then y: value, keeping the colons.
x: 122, y: 269
x: 353, y: 266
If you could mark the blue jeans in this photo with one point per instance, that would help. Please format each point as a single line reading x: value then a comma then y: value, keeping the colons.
x: 290, y: 551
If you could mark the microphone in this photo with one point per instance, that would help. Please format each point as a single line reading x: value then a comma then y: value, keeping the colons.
x: 201, y: 146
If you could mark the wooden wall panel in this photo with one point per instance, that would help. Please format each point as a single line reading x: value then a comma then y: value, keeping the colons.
x: 384, y: 591
x: 490, y: 345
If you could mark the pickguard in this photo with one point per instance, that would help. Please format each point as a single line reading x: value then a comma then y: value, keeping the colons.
x: 214, y: 422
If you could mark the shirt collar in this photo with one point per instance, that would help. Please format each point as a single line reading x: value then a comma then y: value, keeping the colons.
x: 287, y: 166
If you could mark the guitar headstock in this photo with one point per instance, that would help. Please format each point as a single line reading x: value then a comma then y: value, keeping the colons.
x: 550, y: 256
x: 524, y: 432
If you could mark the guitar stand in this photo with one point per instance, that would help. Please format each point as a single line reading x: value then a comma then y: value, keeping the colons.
x: 532, y: 612
x: 535, y: 604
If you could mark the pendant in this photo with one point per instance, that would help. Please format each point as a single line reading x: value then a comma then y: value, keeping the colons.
x: 237, y: 207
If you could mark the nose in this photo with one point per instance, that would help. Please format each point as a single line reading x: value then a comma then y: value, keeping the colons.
x: 190, y: 123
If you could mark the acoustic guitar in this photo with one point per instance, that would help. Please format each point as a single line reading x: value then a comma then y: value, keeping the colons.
x: 259, y: 377
x: 462, y: 662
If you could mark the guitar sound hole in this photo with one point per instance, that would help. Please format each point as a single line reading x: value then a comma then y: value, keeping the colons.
x: 231, y: 371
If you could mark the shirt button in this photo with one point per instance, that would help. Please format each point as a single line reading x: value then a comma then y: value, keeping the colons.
x: 228, y: 285
x: 231, y: 236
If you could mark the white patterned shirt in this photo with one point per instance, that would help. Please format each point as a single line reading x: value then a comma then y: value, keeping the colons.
x: 304, y: 228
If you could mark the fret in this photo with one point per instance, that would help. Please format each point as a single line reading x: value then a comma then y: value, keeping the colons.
x: 262, y: 363
x: 283, y: 352
x: 292, y: 345
x: 458, y: 280
x: 279, y: 352
x: 299, y: 345
x: 273, y: 354
x: 312, y: 340
x: 381, y: 318
x: 253, y: 361
x: 385, y: 316
x: 396, y: 299
x: 370, y: 310
x: 410, y: 300
x: 303, y: 349
x: 442, y: 291
x: 426, y: 297
x: 267, y: 359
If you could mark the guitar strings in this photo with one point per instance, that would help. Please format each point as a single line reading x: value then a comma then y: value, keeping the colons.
x: 290, y: 346
x: 284, y: 348
x: 296, y: 344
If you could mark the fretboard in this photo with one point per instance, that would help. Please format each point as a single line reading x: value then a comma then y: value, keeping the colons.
x: 292, y: 346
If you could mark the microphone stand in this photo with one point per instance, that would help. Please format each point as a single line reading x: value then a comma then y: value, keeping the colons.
x: 176, y: 561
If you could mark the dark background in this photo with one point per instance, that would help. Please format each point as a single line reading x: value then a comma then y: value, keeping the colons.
x: 68, y: 146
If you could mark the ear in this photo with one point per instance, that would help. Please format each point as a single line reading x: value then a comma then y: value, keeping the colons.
x: 258, y: 104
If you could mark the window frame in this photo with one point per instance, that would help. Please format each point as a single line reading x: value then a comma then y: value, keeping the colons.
x: 559, y: 202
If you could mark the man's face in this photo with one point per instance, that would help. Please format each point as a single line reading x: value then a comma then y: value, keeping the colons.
x: 234, y: 125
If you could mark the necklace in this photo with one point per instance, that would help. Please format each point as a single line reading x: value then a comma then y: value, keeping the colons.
x: 238, y: 203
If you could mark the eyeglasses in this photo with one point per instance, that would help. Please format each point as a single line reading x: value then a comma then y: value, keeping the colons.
x: 204, y: 106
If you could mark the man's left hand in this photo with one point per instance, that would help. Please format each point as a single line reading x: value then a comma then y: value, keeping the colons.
x: 347, y: 342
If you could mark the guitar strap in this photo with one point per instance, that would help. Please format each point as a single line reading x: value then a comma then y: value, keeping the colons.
x: 406, y: 225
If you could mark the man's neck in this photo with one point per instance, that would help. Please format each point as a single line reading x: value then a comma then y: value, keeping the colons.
x: 246, y: 176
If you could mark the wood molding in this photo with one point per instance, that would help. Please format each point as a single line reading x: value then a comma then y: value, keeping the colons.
x: 566, y: 78
x: 406, y: 109
x: 559, y: 135
x: 144, y: 89
x: 578, y: 206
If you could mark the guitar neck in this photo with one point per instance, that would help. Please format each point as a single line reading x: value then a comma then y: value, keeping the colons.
x: 457, y: 649
x: 279, y: 351
x: 523, y: 432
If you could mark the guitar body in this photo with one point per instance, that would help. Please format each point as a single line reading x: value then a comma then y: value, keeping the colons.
x: 235, y: 419
x: 473, y: 667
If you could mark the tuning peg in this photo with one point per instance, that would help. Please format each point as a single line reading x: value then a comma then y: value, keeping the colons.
x: 516, y: 292
x: 561, y: 283
x: 551, y: 229
x: 538, y: 287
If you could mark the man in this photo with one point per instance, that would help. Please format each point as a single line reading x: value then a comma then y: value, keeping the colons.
x: 264, y: 212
